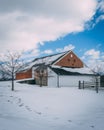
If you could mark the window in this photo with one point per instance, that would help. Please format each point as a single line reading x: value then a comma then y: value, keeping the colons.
x: 71, y: 55
x: 69, y: 60
x: 74, y: 60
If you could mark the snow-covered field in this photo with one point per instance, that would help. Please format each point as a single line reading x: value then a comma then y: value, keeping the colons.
x: 30, y: 107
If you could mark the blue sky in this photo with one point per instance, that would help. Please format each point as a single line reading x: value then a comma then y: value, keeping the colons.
x: 89, y: 40
x: 46, y: 27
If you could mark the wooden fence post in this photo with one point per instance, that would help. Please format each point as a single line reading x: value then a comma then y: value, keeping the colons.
x: 79, y: 85
x: 83, y: 84
x: 58, y: 81
x: 96, y: 87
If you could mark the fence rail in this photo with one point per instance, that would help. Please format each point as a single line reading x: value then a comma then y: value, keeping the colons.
x: 85, y: 84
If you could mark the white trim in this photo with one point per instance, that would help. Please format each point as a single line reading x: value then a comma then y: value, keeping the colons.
x: 26, y: 79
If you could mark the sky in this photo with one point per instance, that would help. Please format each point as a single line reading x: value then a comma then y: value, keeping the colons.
x: 47, y: 27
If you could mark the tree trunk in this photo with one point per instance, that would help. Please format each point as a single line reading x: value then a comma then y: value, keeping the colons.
x: 96, y: 85
x: 40, y: 81
x: 12, y: 82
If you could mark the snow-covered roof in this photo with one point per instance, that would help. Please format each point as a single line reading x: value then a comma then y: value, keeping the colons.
x: 70, y: 71
x: 47, y: 60
x: 50, y: 59
x: 84, y: 70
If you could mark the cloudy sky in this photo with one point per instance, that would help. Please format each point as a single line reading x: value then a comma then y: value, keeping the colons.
x: 43, y: 27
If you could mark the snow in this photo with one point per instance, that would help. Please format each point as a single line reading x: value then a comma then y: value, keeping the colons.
x: 47, y: 60
x: 84, y: 70
x: 31, y: 107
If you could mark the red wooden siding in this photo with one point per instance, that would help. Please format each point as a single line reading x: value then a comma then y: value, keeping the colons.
x: 24, y: 75
x: 70, y: 60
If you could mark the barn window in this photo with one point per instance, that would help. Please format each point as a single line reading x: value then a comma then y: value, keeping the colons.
x: 71, y: 55
x: 69, y: 60
x: 74, y: 60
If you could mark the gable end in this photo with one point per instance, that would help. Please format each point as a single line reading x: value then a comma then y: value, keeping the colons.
x: 69, y: 60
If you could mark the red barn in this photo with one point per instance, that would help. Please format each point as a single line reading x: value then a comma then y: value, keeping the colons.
x: 49, y: 69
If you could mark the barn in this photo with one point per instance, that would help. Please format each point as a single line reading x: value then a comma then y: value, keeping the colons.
x: 57, y: 70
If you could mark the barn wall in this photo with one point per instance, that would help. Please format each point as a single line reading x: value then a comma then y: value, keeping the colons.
x: 67, y: 81
x: 72, y: 81
x: 24, y: 75
x: 41, y: 79
x: 70, y: 60
x: 52, y: 78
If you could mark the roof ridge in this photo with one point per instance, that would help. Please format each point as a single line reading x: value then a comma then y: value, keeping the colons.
x: 50, y: 55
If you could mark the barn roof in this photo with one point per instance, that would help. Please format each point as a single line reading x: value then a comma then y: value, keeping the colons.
x: 47, y: 60
x: 51, y: 59
x: 72, y: 71
x: 60, y: 71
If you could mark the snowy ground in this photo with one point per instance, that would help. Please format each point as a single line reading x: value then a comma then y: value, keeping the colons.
x: 33, y: 108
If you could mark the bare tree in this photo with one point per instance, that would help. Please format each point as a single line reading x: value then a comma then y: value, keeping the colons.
x: 3, y: 75
x: 41, y: 73
x: 99, y: 70
x: 10, y: 64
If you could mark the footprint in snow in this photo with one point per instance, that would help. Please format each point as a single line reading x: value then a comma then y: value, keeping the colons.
x: 19, y: 100
x: 92, y: 126
x: 11, y: 96
x: 69, y: 120
x: 28, y: 108
x: 22, y: 104
x: 39, y: 113
x: 9, y: 101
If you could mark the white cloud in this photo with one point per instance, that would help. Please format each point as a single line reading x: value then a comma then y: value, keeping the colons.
x: 101, y: 17
x: 101, y: 5
x: 93, y: 54
x: 66, y: 48
x: 94, y: 59
x: 48, y: 52
x: 30, y: 54
x: 26, y: 24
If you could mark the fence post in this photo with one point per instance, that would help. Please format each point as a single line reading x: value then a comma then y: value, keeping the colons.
x: 83, y: 84
x: 58, y: 81
x: 79, y: 85
x: 96, y: 87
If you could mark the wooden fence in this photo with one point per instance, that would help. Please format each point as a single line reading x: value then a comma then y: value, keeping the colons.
x: 92, y: 85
